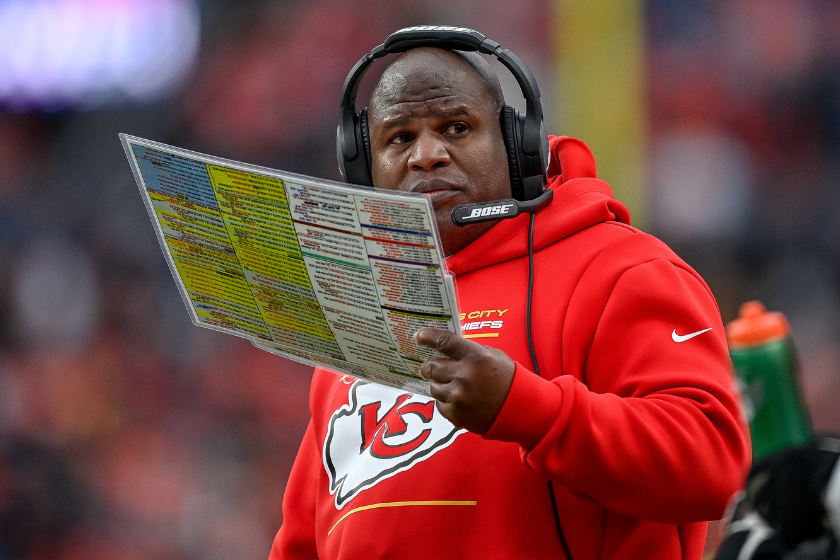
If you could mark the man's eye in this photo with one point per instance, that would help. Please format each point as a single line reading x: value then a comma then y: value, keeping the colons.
x: 401, y: 138
x: 457, y: 129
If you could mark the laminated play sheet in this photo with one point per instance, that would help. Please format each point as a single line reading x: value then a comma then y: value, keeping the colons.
x: 310, y: 269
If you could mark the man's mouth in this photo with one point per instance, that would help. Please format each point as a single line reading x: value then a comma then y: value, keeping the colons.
x: 437, y: 189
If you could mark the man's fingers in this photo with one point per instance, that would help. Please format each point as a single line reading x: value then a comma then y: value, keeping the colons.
x: 447, y: 343
x: 438, y: 370
x: 470, y: 382
x: 440, y: 392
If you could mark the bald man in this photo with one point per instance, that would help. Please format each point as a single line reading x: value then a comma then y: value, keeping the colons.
x: 633, y: 418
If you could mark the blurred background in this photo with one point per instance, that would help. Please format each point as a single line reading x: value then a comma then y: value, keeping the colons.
x: 128, y: 433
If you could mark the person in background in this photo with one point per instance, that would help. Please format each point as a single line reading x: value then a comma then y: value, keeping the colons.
x: 790, y: 509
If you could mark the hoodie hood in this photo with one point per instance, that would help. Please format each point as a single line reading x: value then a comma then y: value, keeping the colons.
x: 580, y: 200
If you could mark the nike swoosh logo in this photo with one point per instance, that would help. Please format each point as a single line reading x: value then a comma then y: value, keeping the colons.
x: 678, y: 338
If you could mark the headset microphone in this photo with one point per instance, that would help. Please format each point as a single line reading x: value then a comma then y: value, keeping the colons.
x: 525, y: 137
x: 475, y: 212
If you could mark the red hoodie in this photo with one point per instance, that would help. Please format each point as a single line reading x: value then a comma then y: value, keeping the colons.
x: 635, y: 418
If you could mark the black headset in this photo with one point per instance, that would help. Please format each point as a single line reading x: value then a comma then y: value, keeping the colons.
x: 525, y: 136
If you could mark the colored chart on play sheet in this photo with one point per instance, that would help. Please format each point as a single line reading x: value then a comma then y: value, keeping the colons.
x: 310, y: 269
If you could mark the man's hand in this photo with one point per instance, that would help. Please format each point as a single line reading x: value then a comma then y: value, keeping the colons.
x: 471, y: 383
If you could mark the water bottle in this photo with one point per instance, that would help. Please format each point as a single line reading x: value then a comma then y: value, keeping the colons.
x: 767, y: 372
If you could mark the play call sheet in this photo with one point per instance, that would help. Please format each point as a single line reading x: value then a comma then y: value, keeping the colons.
x: 307, y: 268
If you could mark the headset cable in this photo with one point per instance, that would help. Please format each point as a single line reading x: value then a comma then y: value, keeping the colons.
x: 537, y: 371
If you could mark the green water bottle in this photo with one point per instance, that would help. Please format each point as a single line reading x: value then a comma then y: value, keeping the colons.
x: 767, y: 372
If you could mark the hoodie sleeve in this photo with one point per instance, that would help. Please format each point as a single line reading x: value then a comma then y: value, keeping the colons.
x: 652, y: 429
x: 296, y: 538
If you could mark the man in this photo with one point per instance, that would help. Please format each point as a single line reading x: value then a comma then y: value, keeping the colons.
x: 634, y: 418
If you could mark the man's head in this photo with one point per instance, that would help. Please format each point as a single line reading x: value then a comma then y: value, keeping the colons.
x: 434, y: 128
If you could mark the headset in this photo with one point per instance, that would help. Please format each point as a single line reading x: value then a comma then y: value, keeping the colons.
x: 525, y: 137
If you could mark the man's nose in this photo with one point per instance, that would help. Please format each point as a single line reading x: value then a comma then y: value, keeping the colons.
x: 428, y: 153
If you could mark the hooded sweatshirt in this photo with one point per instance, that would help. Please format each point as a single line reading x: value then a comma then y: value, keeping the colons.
x: 634, y: 416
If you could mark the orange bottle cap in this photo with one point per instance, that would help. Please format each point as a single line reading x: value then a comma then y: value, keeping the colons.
x: 756, y: 326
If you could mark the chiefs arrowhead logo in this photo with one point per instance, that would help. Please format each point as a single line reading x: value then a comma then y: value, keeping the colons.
x: 379, y: 433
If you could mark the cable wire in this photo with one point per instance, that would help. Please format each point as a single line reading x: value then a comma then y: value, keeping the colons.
x: 537, y: 371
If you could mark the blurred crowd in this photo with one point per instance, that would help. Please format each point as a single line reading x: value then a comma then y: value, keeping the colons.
x: 128, y: 433
x: 744, y: 161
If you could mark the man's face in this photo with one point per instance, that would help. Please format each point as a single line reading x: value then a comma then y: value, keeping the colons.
x: 434, y: 128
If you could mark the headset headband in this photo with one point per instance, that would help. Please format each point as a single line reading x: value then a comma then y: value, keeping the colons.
x: 450, y: 38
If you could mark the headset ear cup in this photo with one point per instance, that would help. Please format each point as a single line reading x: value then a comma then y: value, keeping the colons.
x: 510, y: 134
x: 364, y: 136
x: 355, y: 171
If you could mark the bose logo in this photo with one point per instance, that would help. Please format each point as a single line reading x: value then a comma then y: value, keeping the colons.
x: 490, y: 211
x: 436, y: 28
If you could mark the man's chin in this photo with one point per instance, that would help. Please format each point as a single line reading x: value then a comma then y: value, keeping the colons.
x: 454, y: 237
x: 443, y: 216
x: 445, y: 199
